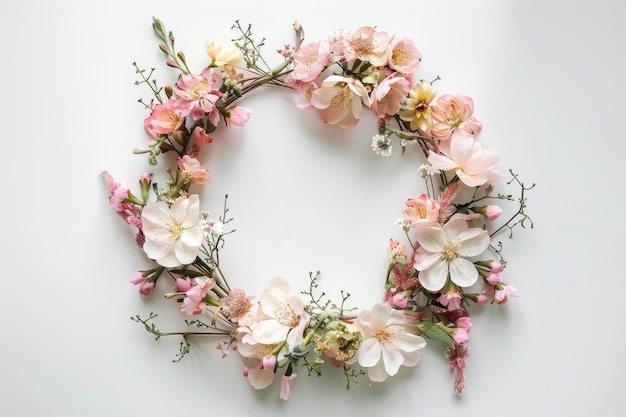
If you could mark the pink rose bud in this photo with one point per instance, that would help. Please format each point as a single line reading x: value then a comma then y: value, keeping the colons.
x: 481, y: 299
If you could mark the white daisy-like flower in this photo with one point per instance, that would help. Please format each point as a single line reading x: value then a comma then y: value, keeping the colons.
x: 442, y: 253
x: 173, y: 233
x: 381, y: 144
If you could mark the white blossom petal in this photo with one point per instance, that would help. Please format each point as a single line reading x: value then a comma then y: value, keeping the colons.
x: 434, y: 278
x: 462, y: 272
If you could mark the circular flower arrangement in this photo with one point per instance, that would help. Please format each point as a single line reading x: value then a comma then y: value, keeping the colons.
x: 448, y: 262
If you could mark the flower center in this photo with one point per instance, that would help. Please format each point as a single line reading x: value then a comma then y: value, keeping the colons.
x: 287, y: 316
x: 176, y: 229
x: 343, y: 99
x: 449, y: 251
x: 382, y: 335
x: 399, y: 57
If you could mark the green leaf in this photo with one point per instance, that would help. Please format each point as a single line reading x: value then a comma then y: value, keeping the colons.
x: 435, y: 332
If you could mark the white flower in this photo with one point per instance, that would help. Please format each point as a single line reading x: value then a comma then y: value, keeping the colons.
x: 442, y: 253
x: 281, y: 316
x: 173, y: 234
x: 389, y: 342
x: 381, y: 144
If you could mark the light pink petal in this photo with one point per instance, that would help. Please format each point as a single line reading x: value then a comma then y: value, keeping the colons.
x: 481, y: 162
x: 425, y: 260
x: 369, y: 352
x: 392, y: 359
x: 413, y: 358
x: 441, y: 161
x: 470, y: 180
x: 463, y: 272
x: 379, y: 316
x: 461, y: 147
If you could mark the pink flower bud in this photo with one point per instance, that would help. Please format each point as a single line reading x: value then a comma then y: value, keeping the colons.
x: 492, y: 212
x: 399, y: 301
x: 460, y: 336
x: 464, y: 323
x: 183, y: 285
x: 496, y: 267
x: 268, y: 363
x: 493, y: 279
x: 482, y: 299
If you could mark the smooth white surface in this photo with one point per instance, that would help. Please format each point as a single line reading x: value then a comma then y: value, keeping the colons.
x: 547, y: 83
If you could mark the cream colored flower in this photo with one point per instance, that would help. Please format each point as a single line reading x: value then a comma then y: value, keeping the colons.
x: 173, y: 234
x: 220, y: 58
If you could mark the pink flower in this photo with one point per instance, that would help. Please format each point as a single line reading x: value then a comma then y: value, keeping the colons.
x: 200, y: 136
x: 368, y: 45
x: 286, y: 384
x: 191, y: 169
x: 239, y: 115
x: 451, y: 300
x: 456, y: 356
x: 194, y: 302
x: 236, y: 305
x: 387, y: 96
x: 164, y: 119
x: 452, y: 112
x: 197, y: 95
x: 145, y: 286
x: 502, y: 295
x: 464, y: 322
x: 389, y: 341
x: 340, y: 100
x: 473, y: 163
x: 421, y: 211
x: 305, y: 94
x: 118, y: 192
x: 310, y: 60
x: 403, y: 55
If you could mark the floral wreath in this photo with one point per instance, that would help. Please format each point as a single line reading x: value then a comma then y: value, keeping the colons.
x: 450, y: 259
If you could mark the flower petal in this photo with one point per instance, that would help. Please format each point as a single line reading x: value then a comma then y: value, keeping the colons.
x: 473, y: 242
x: 369, y: 352
x: 433, y: 239
x: 434, y: 278
x: 393, y: 360
x: 462, y: 272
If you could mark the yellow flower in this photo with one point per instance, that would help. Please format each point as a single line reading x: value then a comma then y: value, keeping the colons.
x: 417, y: 110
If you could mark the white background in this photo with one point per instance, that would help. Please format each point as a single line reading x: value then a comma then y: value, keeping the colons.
x: 547, y: 81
